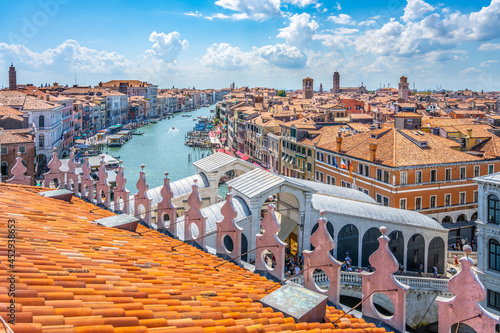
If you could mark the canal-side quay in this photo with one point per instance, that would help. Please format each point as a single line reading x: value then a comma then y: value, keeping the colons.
x: 161, y: 148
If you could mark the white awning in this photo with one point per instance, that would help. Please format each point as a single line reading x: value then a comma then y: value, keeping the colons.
x: 287, y: 227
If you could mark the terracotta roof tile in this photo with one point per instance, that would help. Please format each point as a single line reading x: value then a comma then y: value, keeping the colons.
x: 75, y: 276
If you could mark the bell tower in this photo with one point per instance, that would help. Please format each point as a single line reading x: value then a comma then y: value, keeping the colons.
x: 12, y: 77
x: 307, y: 88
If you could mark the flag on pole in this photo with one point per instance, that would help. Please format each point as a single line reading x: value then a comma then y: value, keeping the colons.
x: 350, y: 169
x: 335, y: 162
x: 342, y: 164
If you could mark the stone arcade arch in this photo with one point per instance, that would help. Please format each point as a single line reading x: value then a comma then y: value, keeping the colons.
x: 397, y: 245
x: 436, y: 255
x: 347, y: 243
x: 370, y: 245
x: 416, y: 252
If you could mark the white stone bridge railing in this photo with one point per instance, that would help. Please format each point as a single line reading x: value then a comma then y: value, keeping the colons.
x: 352, y: 278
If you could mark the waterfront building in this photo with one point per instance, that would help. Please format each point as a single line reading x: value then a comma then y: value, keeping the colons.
x: 488, y: 239
x: 257, y: 144
x: 136, y: 88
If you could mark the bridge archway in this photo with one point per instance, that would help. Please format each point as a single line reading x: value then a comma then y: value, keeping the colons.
x: 416, y: 252
x: 348, y: 241
x: 436, y: 255
x: 370, y: 245
x: 397, y: 245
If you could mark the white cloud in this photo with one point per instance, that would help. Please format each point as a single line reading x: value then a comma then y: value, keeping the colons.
x: 487, y: 63
x: 470, y: 70
x: 489, y: 47
x: 338, y: 6
x: 416, y: 9
x: 225, y: 56
x: 301, y: 30
x: 166, y: 46
x: 367, y: 23
x: 195, y: 14
x: 431, y: 33
x: 250, y: 9
x: 282, y: 55
x: 66, y: 57
x: 341, y: 19
x: 301, y: 3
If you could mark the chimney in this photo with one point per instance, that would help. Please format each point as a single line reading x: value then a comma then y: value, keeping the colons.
x: 373, y: 151
x: 469, y: 133
x: 339, y: 141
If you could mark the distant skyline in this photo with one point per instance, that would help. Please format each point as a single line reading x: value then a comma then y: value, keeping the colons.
x: 255, y: 43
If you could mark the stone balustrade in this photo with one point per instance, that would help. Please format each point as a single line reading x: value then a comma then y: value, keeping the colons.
x: 414, y: 282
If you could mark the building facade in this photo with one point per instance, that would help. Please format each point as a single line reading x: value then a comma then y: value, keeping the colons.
x: 488, y: 239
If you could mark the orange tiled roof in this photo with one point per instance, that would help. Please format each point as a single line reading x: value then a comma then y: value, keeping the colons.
x: 395, y: 148
x: 73, y: 275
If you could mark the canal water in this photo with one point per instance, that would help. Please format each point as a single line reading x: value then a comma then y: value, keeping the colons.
x: 161, y: 149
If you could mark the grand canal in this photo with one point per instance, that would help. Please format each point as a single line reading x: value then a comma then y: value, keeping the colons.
x: 161, y: 149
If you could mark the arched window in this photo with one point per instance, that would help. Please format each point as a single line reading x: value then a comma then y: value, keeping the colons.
x: 41, y: 140
x: 493, y: 209
x: 494, y: 255
x: 41, y: 121
x: 5, y: 169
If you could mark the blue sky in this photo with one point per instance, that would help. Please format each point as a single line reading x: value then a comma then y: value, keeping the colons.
x: 268, y: 43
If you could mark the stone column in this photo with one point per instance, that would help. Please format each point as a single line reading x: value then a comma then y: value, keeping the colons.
x: 307, y: 223
x: 255, y: 209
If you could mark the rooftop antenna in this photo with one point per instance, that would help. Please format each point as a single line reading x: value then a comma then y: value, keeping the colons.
x: 75, y: 77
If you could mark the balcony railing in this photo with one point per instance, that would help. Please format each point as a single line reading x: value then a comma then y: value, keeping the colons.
x: 353, y: 278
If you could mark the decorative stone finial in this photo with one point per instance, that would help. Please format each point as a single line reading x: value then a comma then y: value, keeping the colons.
x: 229, y: 188
x: 166, y: 173
x: 322, y: 212
x: 54, y: 149
x: 467, y: 249
x: 383, y: 230
x: 195, y: 180
x: 142, y: 166
x: 121, y: 162
x: 18, y: 154
x: 270, y: 198
x: 102, y: 157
